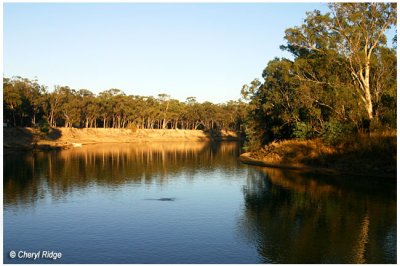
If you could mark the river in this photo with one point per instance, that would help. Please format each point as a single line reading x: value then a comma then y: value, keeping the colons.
x: 188, y: 202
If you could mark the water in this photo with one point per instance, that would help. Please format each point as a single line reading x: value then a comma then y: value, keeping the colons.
x: 189, y: 203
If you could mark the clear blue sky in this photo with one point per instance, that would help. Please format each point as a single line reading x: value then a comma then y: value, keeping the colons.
x: 204, y: 50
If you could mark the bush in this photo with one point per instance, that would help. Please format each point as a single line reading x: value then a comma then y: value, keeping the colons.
x: 254, y: 140
x: 335, y: 132
x: 385, y: 122
x: 303, y: 131
x: 44, y: 126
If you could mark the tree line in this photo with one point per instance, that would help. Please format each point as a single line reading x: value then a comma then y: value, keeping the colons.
x: 26, y: 103
x: 342, y: 78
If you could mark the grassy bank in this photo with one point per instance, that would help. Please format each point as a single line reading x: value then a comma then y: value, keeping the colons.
x: 373, y: 154
x: 62, y: 138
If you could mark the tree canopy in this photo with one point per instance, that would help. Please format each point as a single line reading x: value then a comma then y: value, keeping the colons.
x: 26, y: 103
x: 342, y: 78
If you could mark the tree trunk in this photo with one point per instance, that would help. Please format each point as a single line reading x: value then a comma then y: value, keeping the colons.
x: 368, y: 100
x: 165, y: 116
x: 362, y: 82
x: 51, y: 118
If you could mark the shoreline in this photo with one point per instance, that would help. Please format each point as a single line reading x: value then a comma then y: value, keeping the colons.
x: 367, y: 157
x: 246, y: 159
x: 65, y: 138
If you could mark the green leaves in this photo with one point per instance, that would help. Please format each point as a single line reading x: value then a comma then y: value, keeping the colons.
x: 342, y: 75
x: 25, y: 99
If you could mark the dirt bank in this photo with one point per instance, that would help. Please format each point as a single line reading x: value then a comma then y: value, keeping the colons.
x: 373, y: 155
x: 29, y: 138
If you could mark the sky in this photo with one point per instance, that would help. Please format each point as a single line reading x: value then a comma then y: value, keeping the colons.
x: 205, y: 50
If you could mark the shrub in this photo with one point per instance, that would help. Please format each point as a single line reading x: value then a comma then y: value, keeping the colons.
x: 335, y: 132
x: 253, y: 140
x: 302, y: 131
x: 44, y: 126
x: 385, y: 122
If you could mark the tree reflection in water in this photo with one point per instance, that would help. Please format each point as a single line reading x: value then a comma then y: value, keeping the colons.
x: 288, y: 217
x: 30, y: 176
x: 293, y: 218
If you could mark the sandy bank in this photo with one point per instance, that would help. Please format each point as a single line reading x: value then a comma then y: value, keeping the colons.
x: 29, y: 138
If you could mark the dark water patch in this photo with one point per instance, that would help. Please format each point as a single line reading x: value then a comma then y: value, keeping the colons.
x: 163, y: 199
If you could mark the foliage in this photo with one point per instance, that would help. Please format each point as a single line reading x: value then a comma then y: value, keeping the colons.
x: 342, y: 78
x: 302, y: 131
x: 44, y: 127
x: 25, y: 101
x: 335, y: 132
x: 352, y: 32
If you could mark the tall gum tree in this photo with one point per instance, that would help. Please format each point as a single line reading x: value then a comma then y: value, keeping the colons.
x: 352, y: 30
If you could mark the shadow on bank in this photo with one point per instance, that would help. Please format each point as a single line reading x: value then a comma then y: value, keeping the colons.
x: 30, y: 139
x: 62, y: 138
x: 366, y: 155
x: 223, y: 135
x: 20, y: 138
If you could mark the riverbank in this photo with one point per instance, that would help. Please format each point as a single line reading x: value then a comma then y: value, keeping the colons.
x: 64, y: 138
x: 373, y: 155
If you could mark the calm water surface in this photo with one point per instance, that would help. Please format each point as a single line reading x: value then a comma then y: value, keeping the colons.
x: 189, y: 203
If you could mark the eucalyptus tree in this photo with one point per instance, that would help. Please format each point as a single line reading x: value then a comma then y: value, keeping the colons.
x: 133, y: 116
x: 354, y: 31
x: 71, y: 106
x: 232, y: 115
x: 120, y: 108
x: 25, y: 102
x: 54, y: 105
x: 32, y: 92
x: 11, y: 98
x: 164, y: 100
x: 141, y: 110
x: 108, y: 105
x: 384, y: 80
x: 190, y: 115
x: 176, y: 111
x: 88, y: 107
x: 152, y: 111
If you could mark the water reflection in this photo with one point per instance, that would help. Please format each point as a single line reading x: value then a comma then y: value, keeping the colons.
x: 319, y: 219
x: 91, y: 199
x: 30, y: 176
